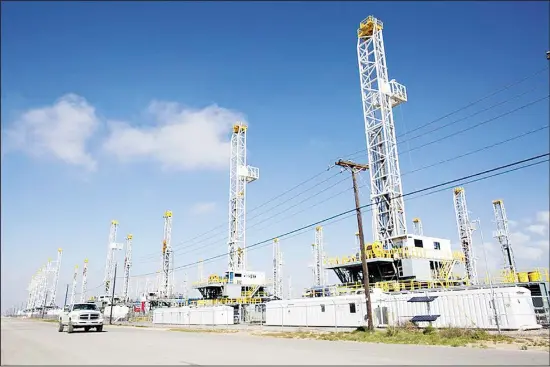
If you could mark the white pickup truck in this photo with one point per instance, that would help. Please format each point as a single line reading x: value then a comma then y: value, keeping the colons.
x: 81, y: 315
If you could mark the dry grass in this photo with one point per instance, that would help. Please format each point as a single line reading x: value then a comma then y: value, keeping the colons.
x: 405, y: 334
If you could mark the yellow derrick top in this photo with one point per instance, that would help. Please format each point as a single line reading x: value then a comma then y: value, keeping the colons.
x: 458, y: 189
x: 367, y: 26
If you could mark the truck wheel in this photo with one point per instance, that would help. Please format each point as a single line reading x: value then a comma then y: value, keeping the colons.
x: 87, y: 328
x: 70, y: 327
x: 100, y: 329
x: 60, y: 328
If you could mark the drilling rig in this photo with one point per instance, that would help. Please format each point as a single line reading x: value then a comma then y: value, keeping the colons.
x: 502, y: 235
x: 379, y: 96
x: 127, y: 266
x: 84, y: 286
x: 394, y: 255
x: 167, y: 275
x: 113, y: 246
x: 238, y: 285
x: 277, y: 270
x: 465, y: 233
x: 55, y: 281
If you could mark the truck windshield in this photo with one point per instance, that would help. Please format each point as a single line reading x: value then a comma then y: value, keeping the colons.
x: 85, y: 306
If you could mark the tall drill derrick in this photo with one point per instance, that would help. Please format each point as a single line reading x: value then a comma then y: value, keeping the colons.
x: 417, y: 227
x: 379, y: 96
x: 73, y: 287
x: 502, y: 235
x: 43, y: 295
x: 318, y: 257
x: 277, y: 270
x: 127, y: 266
x: 167, y: 274
x: 111, y: 257
x: 84, y: 287
x: 465, y: 233
x: 55, y: 281
x: 240, y: 174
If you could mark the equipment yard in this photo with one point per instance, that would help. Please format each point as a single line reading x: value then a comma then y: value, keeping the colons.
x: 33, y: 342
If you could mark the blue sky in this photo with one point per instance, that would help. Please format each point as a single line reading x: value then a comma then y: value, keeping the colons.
x: 71, y: 165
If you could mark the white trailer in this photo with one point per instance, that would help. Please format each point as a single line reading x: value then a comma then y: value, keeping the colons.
x: 216, y: 315
x: 468, y: 308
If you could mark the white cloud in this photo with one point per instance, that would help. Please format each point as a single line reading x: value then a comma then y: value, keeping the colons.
x: 182, y: 138
x: 543, y: 217
x: 61, y: 131
x: 512, y: 223
x: 202, y: 208
x: 537, y: 229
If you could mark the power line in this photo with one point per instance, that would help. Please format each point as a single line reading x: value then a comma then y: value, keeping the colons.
x: 364, y: 185
x: 465, y: 129
x: 222, y: 226
x: 218, y: 233
x: 462, y: 108
x: 454, y: 182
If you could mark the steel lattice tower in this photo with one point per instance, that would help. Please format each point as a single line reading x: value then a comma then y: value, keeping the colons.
x: 55, y: 281
x: 277, y: 270
x: 84, y: 287
x: 111, y: 257
x: 465, y: 233
x: 167, y: 274
x: 127, y: 266
x: 379, y: 96
x: 318, y: 258
x: 417, y: 227
x: 73, y: 288
x: 240, y: 175
x: 502, y: 235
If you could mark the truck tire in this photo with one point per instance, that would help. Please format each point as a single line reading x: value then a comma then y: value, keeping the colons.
x: 99, y: 329
x: 87, y: 328
x: 70, y: 327
x: 60, y: 328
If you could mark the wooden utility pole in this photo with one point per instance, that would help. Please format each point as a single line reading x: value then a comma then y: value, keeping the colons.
x: 113, y: 297
x: 354, y: 168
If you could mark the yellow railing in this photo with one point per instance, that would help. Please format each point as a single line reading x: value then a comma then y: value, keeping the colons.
x: 375, y: 251
x: 532, y: 276
x: 212, y: 279
x: 227, y: 301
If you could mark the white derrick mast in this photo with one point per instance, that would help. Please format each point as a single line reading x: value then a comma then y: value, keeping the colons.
x: 277, y: 270
x: 379, y: 95
x: 55, y: 280
x: 318, y: 258
x: 502, y: 235
x: 111, y: 257
x: 127, y: 266
x: 73, y: 288
x: 167, y: 274
x: 84, y: 287
x: 417, y: 227
x: 465, y: 233
x: 240, y: 174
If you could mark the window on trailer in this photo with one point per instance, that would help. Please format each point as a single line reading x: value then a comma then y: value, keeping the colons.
x: 352, y: 308
x: 322, y: 308
x: 437, y: 246
x: 418, y: 243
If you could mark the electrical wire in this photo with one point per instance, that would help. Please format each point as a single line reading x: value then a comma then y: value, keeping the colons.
x: 347, y: 189
x: 458, y: 181
x: 224, y: 225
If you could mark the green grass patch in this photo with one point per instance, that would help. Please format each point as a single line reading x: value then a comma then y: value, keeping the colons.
x: 406, y: 334
x: 218, y: 331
